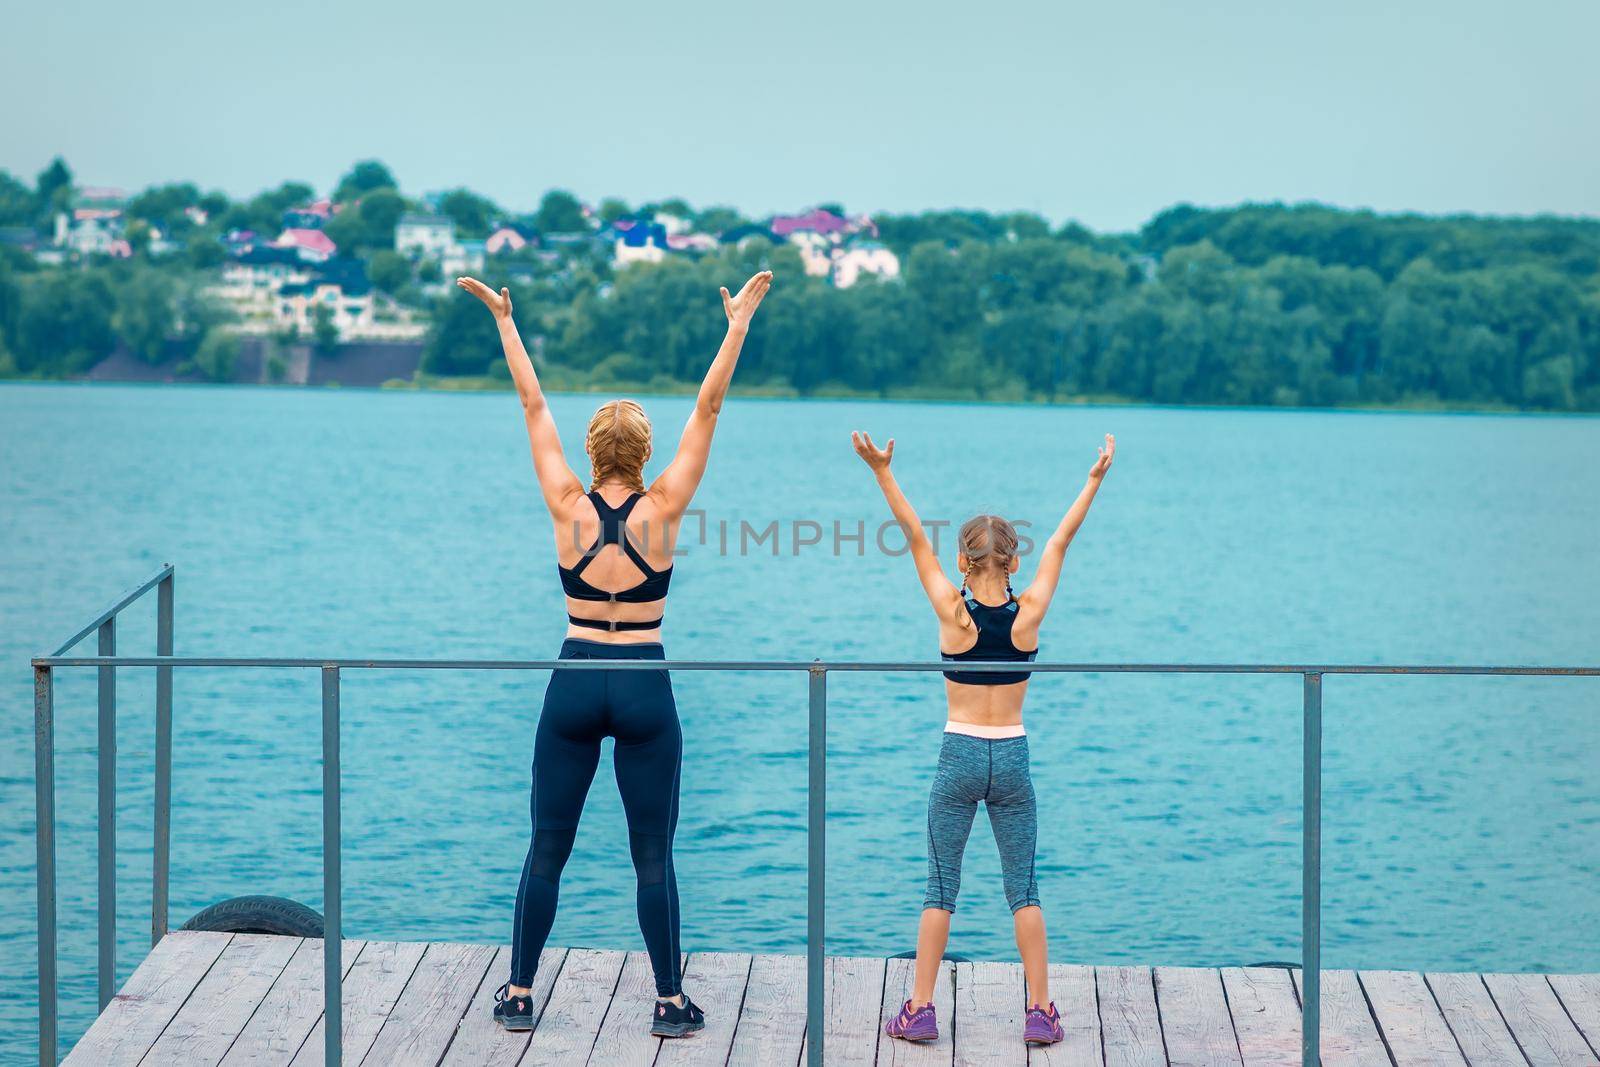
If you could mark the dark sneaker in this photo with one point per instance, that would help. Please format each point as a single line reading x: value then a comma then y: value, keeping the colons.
x: 1043, y: 1027
x: 669, y: 1020
x: 919, y: 1025
x: 513, y: 1013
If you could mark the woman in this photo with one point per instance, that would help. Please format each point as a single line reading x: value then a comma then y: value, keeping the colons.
x: 614, y: 552
x: 985, y: 752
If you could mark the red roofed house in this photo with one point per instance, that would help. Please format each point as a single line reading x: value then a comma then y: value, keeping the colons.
x: 505, y: 239
x: 816, y: 221
x: 313, y: 246
x: 95, y: 225
x: 818, y: 234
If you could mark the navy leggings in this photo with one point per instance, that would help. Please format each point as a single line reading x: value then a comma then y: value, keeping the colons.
x: 581, y: 708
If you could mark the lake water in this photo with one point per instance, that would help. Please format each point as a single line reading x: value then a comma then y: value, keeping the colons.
x: 1462, y: 825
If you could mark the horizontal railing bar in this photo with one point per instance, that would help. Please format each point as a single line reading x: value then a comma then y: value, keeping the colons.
x: 127, y: 598
x: 803, y: 665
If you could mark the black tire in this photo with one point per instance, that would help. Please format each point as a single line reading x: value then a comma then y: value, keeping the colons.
x: 258, y: 915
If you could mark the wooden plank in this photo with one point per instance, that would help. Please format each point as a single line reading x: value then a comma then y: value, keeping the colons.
x: 1194, y: 1018
x: 1412, y: 1026
x: 220, y: 1006
x: 1266, y: 1015
x: 624, y: 1037
x: 1072, y: 988
x: 1349, y: 1034
x: 370, y: 988
x: 720, y: 978
x: 989, y: 1010
x: 480, y: 1041
x: 1408, y: 1018
x: 577, y: 1005
x: 1474, y: 1020
x: 852, y: 994
x: 423, y: 1021
x: 772, y: 1020
x: 289, y: 1010
x: 153, y: 994
x: 1129, y: 1025
x: 1580, y: 995
x: 899, y: 977
x: 1538, y: 1021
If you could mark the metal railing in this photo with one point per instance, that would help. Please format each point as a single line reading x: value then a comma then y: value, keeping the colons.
x: 817, y: 671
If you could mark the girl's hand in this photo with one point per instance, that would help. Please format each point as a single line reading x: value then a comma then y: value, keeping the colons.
x: 874, y: 457
x: 499, y: 303
x: 742, y: 308
x: 1103, y: 463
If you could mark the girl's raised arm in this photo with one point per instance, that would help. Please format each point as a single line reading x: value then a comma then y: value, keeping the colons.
x: 1036, y: 598
x: 556, y: 479
x: 675, y: 487
x: 942, y: 593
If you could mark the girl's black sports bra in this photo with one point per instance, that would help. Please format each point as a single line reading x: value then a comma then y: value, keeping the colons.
x: 614, y: 531
x: 993, y: 645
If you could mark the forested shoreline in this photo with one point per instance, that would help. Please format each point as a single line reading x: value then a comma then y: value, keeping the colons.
x: 1260, y: 304
x: 1305, y: 306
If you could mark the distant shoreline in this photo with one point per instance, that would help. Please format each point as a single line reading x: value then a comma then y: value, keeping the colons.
x: 660, y: 389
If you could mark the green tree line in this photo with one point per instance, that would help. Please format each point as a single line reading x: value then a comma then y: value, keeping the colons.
x: 1255, y: 305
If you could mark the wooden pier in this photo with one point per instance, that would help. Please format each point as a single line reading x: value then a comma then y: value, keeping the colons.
x: 235, y: 999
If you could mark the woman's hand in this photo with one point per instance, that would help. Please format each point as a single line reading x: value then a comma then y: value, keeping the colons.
x: 499, y: 303
x: 873, y: 456
x: 1103, y: 463
x: 742, y: 308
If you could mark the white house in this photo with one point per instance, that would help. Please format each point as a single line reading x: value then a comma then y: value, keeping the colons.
x: 424, y: 236
x: 691, y: 242
x: 250, y: 281
x: 273, y: 290
x: 865, y: 257
x: 638, y: 242
x: 816, y: 252
x: 95, y: 225
x: 350, y: 312
x: 461, y: 257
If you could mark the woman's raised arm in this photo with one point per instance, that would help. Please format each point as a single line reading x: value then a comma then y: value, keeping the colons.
x: 942, y: 593
x: 556, y: 479
x: 675, y: 486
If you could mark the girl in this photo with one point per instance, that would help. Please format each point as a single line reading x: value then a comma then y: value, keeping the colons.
x: 985, y: 752
x: 615, y: 575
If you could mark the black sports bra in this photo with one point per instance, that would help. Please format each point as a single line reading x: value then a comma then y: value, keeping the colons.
x: 614, y: 531
x: 993, y: 645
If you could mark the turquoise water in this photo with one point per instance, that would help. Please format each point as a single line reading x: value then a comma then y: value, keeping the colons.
x: 1462, y: 821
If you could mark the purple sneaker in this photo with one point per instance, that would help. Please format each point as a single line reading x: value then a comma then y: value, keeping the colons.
x: 1042, y: 1027
x: 919, y: 1025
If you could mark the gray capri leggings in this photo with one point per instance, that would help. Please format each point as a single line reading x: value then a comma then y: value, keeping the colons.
x: 973, y: 769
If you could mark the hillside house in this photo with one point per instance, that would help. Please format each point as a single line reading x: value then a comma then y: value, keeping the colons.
x: 504, y: 240
x: 638, y: 241
x: 462, y: 257
x: 313, y: 216
x: 864, y: 257
x: 312, y: 246
x: 95, y: 224
x: 424, y: 236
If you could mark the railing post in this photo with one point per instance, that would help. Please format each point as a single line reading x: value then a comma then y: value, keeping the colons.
x: 44, y: 783
x: 1311, y: 876
x: 106, y: 905
x: 332, y: 970
x: 161, y: 867
x: 816, y: 865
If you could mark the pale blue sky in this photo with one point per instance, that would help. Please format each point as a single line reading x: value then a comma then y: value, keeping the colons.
x: 1103, y: 112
